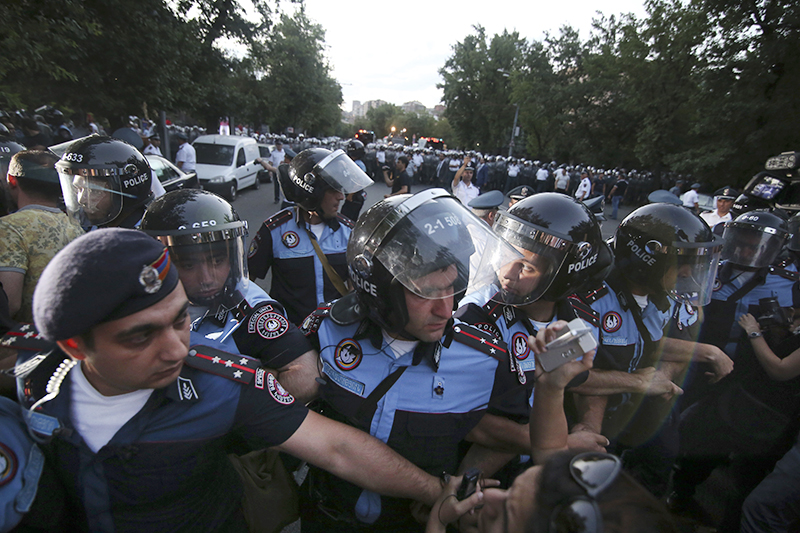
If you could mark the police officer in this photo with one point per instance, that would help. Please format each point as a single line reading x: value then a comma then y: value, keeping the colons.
x: 662, y: 251
x: 205, y: 238
x: 520, y: 193
x: 354, y: 201
x: 106, y: 182
x: 135, y: 424
x: 394, y: 362
x: 304, y: 245
x: 724, y: 198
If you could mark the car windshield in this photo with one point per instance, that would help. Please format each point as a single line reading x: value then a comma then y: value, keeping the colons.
x: 214, y: 154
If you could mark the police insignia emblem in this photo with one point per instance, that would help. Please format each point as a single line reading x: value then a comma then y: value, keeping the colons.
x: 152, y: 276
x: 519, y: 346
x: 348, y: 354
x: 276, y: 390
x: 290, y: 239
x: 611, y: 322
x: 267, y: 323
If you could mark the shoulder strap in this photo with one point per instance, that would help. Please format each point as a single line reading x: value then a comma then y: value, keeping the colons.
x: 757, y: 279
x: 367, y: 408
x: 278, y: 218
x: 332, y: 275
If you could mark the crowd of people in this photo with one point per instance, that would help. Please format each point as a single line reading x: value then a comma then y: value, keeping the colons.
x: 435, y: 369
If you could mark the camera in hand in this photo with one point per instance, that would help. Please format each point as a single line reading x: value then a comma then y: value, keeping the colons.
x: 770, y: 314
x: 573, y: 341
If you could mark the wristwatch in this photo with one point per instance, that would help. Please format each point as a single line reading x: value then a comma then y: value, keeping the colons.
x: 754, y: 334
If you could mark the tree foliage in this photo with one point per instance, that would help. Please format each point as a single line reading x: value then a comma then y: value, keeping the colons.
x: 118, y: 57
x: 700, y: 86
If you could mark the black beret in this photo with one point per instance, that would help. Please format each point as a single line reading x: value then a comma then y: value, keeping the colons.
x: 104, y: 275
x: 521, y: 192
x: 288, y: 152
x: 487, y: 200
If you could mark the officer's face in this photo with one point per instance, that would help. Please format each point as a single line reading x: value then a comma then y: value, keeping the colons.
x: 95, y: 198
x: 724, y: 206
x: 203, y: 271
x: 674, y: 273
x: 429, y: 316
x: 142, y: 351
x: 519, y: 278
x: 330, y: 203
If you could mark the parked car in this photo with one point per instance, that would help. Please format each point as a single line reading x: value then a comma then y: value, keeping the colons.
x: 706, y: 202
x: 226, y: 163
x: 170, y: 176
x: 263, y: 152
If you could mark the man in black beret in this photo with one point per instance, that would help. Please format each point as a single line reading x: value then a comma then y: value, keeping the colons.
x: 519, y: 193
x: 137, y: 436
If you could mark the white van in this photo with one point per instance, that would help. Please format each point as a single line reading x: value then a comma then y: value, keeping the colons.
x: 226, y: 163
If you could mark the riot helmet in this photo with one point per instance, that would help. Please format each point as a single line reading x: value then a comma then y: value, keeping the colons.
x: 562, y: 249
x: 355, y: 149
x: 753, y: 240
x: 104, y: 180
x: 668, y: 249
x: 400, y: 242
x: 317, y: 170
x: 206, y: 240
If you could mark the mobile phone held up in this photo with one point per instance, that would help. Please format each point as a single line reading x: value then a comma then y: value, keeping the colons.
x: 573, y: 341
x: 469, y: 483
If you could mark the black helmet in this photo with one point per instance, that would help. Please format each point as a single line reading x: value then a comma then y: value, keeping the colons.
x: 656, y: 238
x: 754, y: 240
x: 204, y: 235
x: 402, y: 239
x: 562, y: 245
x: 314, y: 171
x: 104, y: 180
x: 355, y: 149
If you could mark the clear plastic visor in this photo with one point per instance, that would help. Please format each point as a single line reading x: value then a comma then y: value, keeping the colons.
x: 209, y: 270
x: 692, y: 278
x: 751, y: 247
x: 92, y: 200
x: 523, y: 276
x: 342, y: 174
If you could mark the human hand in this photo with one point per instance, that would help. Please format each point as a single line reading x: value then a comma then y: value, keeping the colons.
x: 448, y: 508
x: 586, y: 439
x: 561, y: 376
x: 722, y: 365
x: 657, y: 383
x: 749, y: 323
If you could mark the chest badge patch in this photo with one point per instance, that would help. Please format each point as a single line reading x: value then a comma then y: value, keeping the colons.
x: 276, y: 390
x: 290, y: 239
x: 186, y: 390
x: 519, y: 346
x: 611, y: 322
x: 8, y: 464
x: 268, y: 323
x: 348, y: 354
x: 717, y: 285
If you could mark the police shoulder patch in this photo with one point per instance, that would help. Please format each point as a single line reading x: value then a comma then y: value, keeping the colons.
x: 278, y: 219
x: 276, y: 390
x: 268, y: 323
x: 235, y: 367
x: 480, y: 340
x: 584, y: 310
x: 253, y: 250
x: 785, y: 273
x: 343, y: 220
x: 290, y: 239
x: 348, y: 354
x: 611, y: 322
x: 479, y: 317
x: 312, y: 322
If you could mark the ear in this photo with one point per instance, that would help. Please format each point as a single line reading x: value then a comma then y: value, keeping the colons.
x: 72, y: 347
x: 12, y: 181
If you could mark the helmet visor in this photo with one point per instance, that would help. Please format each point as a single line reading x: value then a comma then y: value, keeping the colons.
x: 794, y: 229
x: 429, y: 249
x: 694, y: 275
x: 91, y: 200
x: 522, y: 278
x: 211, y: 270
x: 341, y: 173
x: 751, y: 246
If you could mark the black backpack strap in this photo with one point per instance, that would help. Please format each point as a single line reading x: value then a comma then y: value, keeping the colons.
x: 367, y: 408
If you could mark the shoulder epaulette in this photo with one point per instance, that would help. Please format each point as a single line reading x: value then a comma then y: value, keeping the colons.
x: 593, y: 295
x: 279, y: 218
x: 480, y: 340
x: 478, y: 317
x: 25, y: 337
x: 785, y: 273
x: 345, y: 221
x: 584, y: 310
x: 235, y: 367
x: 312, y: 322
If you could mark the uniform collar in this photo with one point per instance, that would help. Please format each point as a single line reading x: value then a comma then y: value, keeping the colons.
x: 332, y: 223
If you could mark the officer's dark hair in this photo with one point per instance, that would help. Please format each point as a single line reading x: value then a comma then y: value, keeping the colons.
x: 625, y: 505
x: 20, y: 167
x: 403, y: 159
